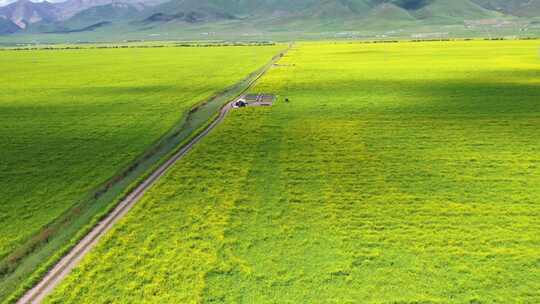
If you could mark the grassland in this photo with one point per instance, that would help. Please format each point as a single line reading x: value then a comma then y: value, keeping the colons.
x: 70, y: 120
x: 396, y: 173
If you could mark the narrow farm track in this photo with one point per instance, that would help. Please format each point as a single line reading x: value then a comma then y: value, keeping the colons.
x: 69, y: 261
x: 66, y: 264
x: 38, y: 293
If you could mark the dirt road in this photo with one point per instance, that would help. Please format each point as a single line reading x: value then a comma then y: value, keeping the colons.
x: 75, y: 255
x: 69, y: 261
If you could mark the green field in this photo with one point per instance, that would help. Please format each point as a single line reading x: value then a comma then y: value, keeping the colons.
x: 70, y: 120
x: 396, y: 173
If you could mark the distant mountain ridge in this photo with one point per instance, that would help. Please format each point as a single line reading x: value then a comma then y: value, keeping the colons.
x: 24, y: 13
x: 87, y: 15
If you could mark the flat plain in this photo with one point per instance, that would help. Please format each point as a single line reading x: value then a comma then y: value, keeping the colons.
x: 72, y: 119
x: 394, y: 173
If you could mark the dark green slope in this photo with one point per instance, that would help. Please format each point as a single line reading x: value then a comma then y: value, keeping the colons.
x: 453, y: 12
x: 111, y: 12
x: 7, y: 27
x: 529, y: 8
x: 436, y: 11
x: 241, y: 18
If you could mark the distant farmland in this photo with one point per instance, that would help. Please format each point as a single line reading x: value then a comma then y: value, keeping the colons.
x: 71, y: 120
x: 394, y: 173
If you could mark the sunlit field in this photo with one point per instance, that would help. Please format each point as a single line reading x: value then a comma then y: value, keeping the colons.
x: 71, y: 119
x: 395, y: 173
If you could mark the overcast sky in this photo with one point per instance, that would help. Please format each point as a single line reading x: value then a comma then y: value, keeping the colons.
x: 4, y: 2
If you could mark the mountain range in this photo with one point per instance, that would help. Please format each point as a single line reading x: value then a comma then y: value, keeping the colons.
x: 160, y: 16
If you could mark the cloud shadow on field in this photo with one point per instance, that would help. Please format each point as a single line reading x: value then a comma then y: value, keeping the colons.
x: 491, y: 93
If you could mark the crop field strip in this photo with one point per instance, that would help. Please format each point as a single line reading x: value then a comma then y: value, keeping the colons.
x: 36, y: 294
x: 56, y: 274
x: 316, y: 202
x: 381, y: 180
x: 39, y: 111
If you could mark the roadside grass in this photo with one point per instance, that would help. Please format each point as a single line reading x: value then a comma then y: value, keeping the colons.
x: 53, y: 158
x: 396, y: 173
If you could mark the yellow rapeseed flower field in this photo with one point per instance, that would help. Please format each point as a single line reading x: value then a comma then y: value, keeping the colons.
x: 394, y: 173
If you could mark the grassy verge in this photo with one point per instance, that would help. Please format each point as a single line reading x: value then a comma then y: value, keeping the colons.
x: 23, y: 268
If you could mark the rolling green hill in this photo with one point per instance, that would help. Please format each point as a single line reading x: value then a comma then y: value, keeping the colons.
x: 367, y: 17
x: 455, y: 11
x: 513, y: 7
x: 110, y: 12
x: 284, y: 20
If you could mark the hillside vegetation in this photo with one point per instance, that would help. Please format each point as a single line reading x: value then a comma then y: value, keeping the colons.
x: 396, y: 173
x: 260, y: 19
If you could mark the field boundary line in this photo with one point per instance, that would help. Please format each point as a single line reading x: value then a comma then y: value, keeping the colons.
x: 69, y: 261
